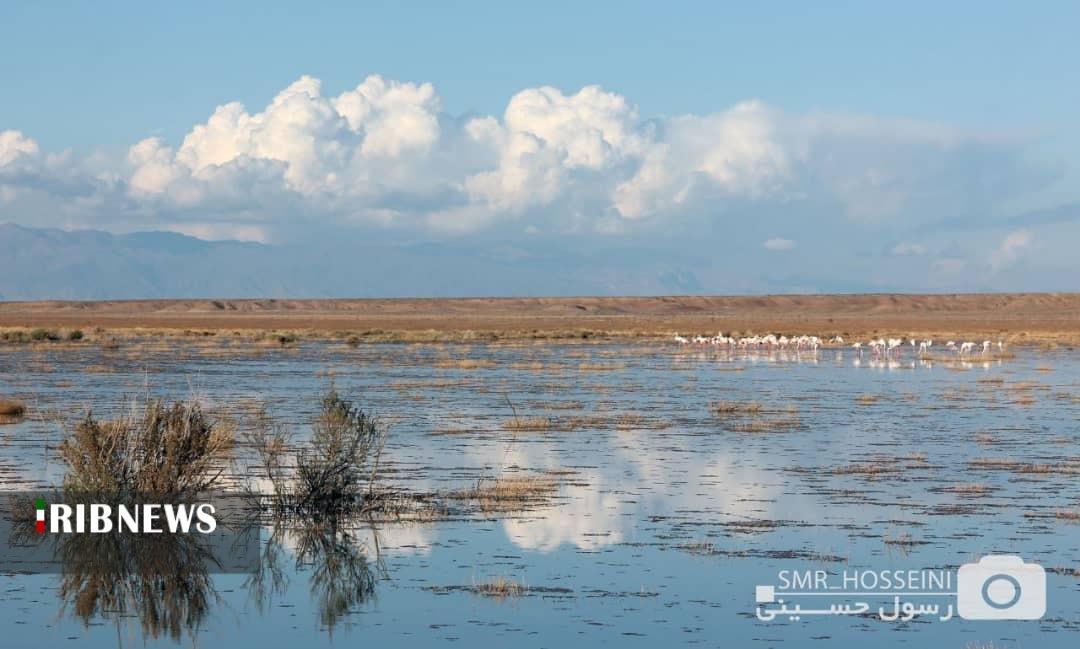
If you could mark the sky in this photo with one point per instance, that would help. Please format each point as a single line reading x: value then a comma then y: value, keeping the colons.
x: 927, y: 146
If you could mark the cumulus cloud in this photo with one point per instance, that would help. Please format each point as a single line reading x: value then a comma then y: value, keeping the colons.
x: 384, y: 153
x: 777, y: 243
x: 15, y: 145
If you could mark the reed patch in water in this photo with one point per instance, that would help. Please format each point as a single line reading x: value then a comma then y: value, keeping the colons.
x: 509, y: 493
x: 12, y: 408
x: 529, y: 424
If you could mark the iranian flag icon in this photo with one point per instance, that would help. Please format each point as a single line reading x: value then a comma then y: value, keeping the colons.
x: 39, y: 504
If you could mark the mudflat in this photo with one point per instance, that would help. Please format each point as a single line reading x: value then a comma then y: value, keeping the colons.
x: 1018, y: 317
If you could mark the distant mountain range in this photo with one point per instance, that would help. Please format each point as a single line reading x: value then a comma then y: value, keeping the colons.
x: 38, y: 264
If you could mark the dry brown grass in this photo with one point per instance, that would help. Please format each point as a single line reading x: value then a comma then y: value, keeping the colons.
x: 865, y: 469
x: 12, y: 408
x: 450, y: 430
x: 601, y: 367
x: 974, y: 489
x: 737, y: 408
x: 767, y: 424
x: 529, y: 424
x: 752, y: 417
x: 561, y: 405
x: 994, y: 463
x: 464, y: 364
x: 510, y: 493
x: 500, y: 588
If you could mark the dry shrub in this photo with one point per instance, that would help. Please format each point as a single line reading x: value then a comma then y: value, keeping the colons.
x: 162, y: 450
x: 342, y: 459
x: 335, y: 472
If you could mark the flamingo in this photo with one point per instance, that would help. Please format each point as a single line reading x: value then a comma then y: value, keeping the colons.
x: 986, y: 347
x: 679, y: 339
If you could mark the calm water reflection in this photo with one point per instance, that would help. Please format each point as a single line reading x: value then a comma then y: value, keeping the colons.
x: 667, y: 514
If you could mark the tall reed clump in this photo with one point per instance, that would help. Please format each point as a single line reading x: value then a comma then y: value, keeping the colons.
x: 164, y: 450
x: 335, y: 472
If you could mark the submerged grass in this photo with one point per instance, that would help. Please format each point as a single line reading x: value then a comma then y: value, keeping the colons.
x: 752, y: 417
x: 737, y: 408
x: 500, y: 588
x: 529, y: 424
x: 509, y: 493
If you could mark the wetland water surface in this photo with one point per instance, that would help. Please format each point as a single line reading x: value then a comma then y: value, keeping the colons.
x: 683, y: 478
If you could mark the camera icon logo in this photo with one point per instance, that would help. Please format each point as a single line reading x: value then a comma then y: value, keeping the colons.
x: 1001, y: 587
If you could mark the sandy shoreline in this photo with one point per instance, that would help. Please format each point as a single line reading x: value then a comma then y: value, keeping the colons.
x: 1018, y: 317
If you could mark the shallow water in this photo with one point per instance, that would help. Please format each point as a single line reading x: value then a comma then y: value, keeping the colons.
x: 668, y: 513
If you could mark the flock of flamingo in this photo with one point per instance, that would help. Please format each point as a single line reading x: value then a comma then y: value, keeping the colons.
x: 884, y: 347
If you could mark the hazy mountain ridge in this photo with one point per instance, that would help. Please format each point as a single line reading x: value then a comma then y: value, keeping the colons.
x: 42, y: 264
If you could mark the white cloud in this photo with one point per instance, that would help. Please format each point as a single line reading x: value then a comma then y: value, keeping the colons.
x: 384, y: 153
x: 13, y: 145
x: 1009, y: 251
x: 737, y: 151
x: 777, y: 243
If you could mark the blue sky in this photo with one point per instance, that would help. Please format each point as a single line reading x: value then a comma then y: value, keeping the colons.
x: 87, y: 74
x: 923, y: 134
